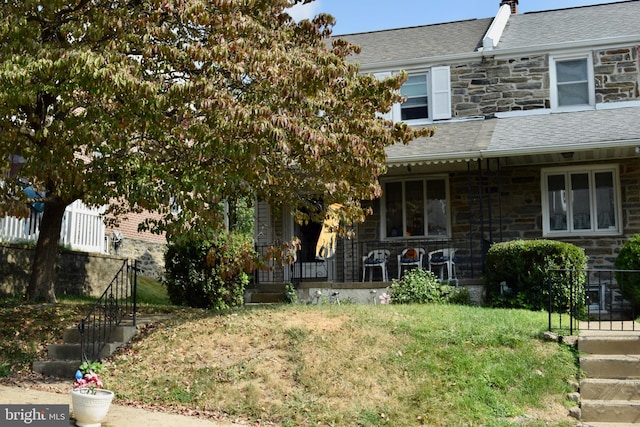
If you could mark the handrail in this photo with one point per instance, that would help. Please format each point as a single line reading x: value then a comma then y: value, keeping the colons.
x: 117, y: 300
x: 591, y: 299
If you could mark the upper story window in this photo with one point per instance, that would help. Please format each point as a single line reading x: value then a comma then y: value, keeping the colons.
x: 415, y: 208
x: 427, y: 97
x: 572, y: 82
x: 415, y: 92
x: 581, y: 201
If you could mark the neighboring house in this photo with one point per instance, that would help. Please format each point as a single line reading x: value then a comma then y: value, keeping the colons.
x: 537, y: 120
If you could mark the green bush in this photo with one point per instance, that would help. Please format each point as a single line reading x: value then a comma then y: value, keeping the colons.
x: 418, y: 286
x: 629, y: 259
x: 523, y: 266
x: 208, y: 274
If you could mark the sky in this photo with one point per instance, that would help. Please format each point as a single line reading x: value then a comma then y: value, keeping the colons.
x: 356, y: 16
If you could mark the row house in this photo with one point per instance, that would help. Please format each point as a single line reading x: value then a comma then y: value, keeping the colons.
x: 537, y: 119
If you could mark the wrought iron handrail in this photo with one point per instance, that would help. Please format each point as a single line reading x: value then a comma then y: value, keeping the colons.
x: 117, y: 300
x: 596, y: 299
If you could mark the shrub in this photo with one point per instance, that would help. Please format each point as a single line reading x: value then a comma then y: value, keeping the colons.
x: 523, y: 267
x: 418, y: 286
x: 629, y: 259
x: 208, y: 274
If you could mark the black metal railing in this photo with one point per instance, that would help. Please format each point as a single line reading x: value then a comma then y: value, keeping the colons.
x: 602, y: 299
x: 346, y: 264
x: 117, y: 301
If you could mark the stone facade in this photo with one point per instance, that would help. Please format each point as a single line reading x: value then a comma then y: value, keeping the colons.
x: 497, y: 85
x: 616, y: 74
x: 78, y: 273
x: 150, y: 256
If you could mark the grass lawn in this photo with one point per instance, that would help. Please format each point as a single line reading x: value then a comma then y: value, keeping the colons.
x: 327, y: 365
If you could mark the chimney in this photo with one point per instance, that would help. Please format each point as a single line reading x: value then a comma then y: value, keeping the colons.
x: 512, y: 3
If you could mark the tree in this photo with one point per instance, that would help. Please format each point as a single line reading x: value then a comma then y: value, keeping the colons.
x: 154, y: 104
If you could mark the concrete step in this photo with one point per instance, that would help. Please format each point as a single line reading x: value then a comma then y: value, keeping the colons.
x: 611, y: 366
x: 609, y: 389
x: 64, y: 351
x: 609, y: 345
x: 122, y: 333
x: 57, y: 368
x: 585, y: 424
x: 610, y: 411
x: 267, y: 297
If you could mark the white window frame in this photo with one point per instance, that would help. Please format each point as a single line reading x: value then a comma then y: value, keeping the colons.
x: 553, y: 80
x: 404, y: 180
x: 591, y: 170
x: 438, y: 92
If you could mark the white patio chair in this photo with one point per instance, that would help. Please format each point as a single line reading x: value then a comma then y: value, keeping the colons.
x: 410, y: 257
x: 444, y: 258
x: 377, y: 258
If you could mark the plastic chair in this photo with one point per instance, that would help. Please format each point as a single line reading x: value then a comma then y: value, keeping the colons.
x: 376, y: 258
x: 442, y: 258
x: 407, y: 258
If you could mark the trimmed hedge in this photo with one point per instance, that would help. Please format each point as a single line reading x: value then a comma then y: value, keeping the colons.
x: 524, y: 265
x: 629, y: 259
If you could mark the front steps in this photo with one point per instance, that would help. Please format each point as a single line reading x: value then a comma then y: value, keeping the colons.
x: 610, y: 392
x: 64, y: 359
x: 266, y: 294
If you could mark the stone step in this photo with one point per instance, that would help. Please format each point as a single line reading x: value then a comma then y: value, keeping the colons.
x: 609, y: 345
x: 611, y: 366
x: 610, y: 411
x: 609, y: 389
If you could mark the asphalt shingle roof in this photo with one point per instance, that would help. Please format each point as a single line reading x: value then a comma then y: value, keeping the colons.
x: 572, y: 25
x: 419, y: 42
x: 543, y: 133
x: 612, y: 127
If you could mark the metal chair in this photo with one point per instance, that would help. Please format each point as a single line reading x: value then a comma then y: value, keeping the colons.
x: 442, y: 258
x: 410, y: 257
x: 376, y: 258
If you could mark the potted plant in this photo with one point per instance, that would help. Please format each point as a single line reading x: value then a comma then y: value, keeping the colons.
x: 89, y: 400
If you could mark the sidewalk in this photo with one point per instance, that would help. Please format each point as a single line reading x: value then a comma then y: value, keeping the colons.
x: 118, y: 416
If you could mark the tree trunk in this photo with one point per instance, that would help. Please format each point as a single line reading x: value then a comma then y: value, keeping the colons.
x: 43, y: 270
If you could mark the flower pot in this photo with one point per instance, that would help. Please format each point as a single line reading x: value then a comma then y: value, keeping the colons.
x: 90, y: 409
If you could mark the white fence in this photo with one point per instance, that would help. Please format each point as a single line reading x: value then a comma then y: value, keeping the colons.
x: 83, y: 228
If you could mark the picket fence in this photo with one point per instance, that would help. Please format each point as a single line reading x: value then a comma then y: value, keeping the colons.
x: 83, y: 228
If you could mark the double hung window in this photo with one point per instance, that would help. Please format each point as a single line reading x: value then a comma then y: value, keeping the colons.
x: 581, y: 201
x: 427, y: 97
x: 415, y: 208
x: 572, y: 82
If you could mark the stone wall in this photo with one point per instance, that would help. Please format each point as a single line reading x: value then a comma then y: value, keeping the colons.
x: 78, y: 273
x: 617, y: 74
x: 520, y: 84
x: 150, y: 256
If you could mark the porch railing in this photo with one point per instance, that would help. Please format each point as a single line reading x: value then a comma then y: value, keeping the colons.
x: 117, y: 301
x: 596, y: 299
x: 346, y: 264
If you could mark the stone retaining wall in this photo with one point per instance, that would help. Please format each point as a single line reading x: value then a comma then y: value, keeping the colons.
x: 78, y: 273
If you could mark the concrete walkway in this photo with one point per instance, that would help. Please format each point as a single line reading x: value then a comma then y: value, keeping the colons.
x: 118, y: 416
x: 609, y: 328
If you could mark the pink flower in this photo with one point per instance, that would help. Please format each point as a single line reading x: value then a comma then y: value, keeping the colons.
x: 385, y: 298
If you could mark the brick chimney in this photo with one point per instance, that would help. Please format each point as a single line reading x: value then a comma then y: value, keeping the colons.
x: 512, y: 3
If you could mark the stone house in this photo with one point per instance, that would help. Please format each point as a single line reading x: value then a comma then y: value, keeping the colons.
x: 537, y: 119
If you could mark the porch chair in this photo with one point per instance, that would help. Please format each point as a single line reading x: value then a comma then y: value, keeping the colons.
x: 441, y: 258
x: 410, y: 257
x: 376, y: 258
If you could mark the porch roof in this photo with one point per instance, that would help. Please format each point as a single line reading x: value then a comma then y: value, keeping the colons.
x: 527, y: 135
